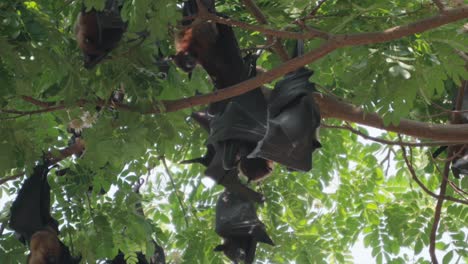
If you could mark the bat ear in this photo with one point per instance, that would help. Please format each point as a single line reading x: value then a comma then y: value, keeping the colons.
x: 219, y: 248
x: 317, y: 144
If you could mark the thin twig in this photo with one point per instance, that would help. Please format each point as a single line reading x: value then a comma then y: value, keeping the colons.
x: 10, y: 178
x: 437, y: 212
x: 314, y: 10
x: 455, y: 118
x: 418, y: 181
x: 439, y: 5
x: 393, y: 143
x: 275, y: 43
x: 174, y: 187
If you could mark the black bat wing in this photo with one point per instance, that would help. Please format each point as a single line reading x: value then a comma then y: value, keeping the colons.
x: 240, y: 126
x: 30, y: 211
x: 236, y: 216
x: 293, y: 120
x: 158, y: 257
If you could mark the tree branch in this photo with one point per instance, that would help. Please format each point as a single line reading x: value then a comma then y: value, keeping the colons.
x: 343, y: 40
x: 329, y: 106
x: 52, y: 157
x: 174, y: 187
x: 437, y: 212
x: 10, y: 178
x: 332, y: 108
x: 414, y: 176
x: 392, y: 143
x: 456, y: 118
x: 257, y: 13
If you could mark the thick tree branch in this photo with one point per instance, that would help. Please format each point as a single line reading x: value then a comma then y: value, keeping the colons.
x: 332, y: 108
x: 257, y: 13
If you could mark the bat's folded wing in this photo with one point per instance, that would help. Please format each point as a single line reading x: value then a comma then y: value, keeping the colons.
x: 30, y: 212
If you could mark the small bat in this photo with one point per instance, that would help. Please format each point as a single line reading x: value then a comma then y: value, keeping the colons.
x: 239, y: 126
x: 99, y: 32
x: 213, y: 46
x: 238, y: 224
x: 33, y: 225
x: 293, y: 122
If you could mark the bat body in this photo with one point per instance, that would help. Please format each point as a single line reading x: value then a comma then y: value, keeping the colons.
x: 237, y: 222
x: 213, y: 46
x: 34, y: 226
x: 98, y: 32
x: 213, y: 160
x: 293, y: 122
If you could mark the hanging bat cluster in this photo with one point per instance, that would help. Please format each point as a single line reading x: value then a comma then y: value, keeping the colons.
x: 247, y: 133
x: 99, y: 32
x: 34, y: 226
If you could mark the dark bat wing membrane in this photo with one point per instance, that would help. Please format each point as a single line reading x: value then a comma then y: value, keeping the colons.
x: 237, y: 222
x: 229, y: 178
x: 30, y: 211
x: 290, y: 138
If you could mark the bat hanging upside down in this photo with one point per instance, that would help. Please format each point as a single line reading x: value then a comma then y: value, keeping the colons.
x: 34, y: 226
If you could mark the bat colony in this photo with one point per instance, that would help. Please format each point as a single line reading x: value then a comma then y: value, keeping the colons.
x: 247, y: 134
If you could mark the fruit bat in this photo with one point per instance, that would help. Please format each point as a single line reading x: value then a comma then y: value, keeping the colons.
x: 99, y: 32
x: 213, y: 160
x: 213, y: 46
x: 239, y: 125
x: 293, y: 122
x: 238, y: 224
x: 33, y: 225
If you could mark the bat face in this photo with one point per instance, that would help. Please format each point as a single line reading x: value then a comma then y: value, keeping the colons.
x: 45, y: 248
x: 255, y: 169
x: 185, y: 61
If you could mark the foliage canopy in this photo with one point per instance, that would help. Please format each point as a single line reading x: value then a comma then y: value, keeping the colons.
x: 316, y: 217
